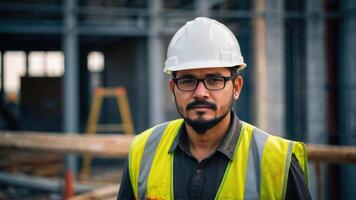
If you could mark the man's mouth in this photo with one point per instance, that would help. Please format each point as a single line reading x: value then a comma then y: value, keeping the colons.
x: 201, y: 105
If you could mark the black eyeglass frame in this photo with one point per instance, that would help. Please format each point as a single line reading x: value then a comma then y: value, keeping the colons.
x: 175, y: 80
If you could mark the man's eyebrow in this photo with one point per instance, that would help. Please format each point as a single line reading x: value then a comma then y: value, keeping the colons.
x: 186, y: 76
x: 213, y: 75
x: 209, y: 75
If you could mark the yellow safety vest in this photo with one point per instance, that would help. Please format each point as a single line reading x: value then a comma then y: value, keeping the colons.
x: 259, y: 169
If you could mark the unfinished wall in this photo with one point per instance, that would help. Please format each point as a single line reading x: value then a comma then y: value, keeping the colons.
x: 125, y: 65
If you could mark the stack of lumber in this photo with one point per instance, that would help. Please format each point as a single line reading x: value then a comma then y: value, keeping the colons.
x: 114, y: 146
x: 36, y: 164
x: 104, y: 193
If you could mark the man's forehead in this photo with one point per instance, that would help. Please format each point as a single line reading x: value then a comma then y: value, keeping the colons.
x: 204, y: 71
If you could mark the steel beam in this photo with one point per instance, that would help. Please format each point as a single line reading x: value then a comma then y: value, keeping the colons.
x: 70, y: 80
x: 155, y: 64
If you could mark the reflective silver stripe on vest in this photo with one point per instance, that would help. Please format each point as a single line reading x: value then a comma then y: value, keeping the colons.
x: 288, y: 161
x: 147, y: 158
x: 253, y: 173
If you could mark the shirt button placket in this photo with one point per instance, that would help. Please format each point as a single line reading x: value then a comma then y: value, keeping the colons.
x: 198, y: 184
x: 198, y: 171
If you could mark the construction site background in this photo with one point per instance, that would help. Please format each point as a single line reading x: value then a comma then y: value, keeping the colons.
x: 79, y: 78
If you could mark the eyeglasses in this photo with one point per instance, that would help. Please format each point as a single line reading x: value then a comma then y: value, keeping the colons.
x: 213, y: 83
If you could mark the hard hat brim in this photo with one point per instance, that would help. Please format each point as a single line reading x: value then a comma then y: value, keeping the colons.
x: 188, y: 66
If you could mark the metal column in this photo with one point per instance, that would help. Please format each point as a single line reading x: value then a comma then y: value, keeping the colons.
x: 27, y: 63
x: 2, y: 89
x: 269, y: 61
x: 202, y: 8
x: 260, y: 62
x: 348, y: 77
x: 141, y: 93
x: 348, y: 94
x: 316, y: 97
x: 315, y: 61
x: 70, y: 81
x: 155, y: 64
x: 275, y: 67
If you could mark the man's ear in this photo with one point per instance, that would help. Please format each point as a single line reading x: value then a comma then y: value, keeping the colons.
x: 171, y: 86
x: 238, y: 83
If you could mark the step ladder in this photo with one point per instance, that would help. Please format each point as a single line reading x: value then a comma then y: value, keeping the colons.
x: 94, y: 127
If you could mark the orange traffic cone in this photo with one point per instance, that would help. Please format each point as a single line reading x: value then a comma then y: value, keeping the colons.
x: 68, y: 185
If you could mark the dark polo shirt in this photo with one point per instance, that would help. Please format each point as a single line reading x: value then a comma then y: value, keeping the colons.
x: 201, y: 180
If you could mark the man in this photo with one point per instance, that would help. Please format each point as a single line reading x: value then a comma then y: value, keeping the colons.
x: 210, y: 153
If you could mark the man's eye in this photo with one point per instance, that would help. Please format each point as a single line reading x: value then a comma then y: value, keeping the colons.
x: 186, y: 81
x: 215, y: 80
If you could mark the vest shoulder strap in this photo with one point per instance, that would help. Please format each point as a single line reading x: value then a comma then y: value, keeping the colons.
x: 260, y: 165
x: 146, y: 148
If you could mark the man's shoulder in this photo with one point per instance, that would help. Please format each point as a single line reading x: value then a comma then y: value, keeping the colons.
x: 145, y: 134
x: 277, y: 142
x: 258, y: 130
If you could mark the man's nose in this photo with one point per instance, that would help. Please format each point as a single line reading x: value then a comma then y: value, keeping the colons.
x: 201, y: 91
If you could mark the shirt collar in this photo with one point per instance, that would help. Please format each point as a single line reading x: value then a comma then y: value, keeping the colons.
x: 227, y: 145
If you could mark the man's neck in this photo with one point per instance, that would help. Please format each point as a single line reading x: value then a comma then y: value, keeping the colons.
x: 202, y: 145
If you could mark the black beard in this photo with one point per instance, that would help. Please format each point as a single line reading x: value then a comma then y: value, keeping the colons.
x: 201, y: 126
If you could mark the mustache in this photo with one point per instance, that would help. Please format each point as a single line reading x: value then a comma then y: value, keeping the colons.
x: 201, y: 103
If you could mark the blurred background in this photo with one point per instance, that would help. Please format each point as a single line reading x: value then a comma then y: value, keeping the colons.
x: 300, y: 80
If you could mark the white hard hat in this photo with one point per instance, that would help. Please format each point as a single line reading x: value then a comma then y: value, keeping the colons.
x: 203, y: 43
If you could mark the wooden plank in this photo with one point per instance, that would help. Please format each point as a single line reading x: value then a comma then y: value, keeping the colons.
x: 109, y: 192
x: 40, y: 164
x: 116, y: 146
x: 331, y: 153
x: 39, y: 183
x: 104, y: 145
x: 10, y: 158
